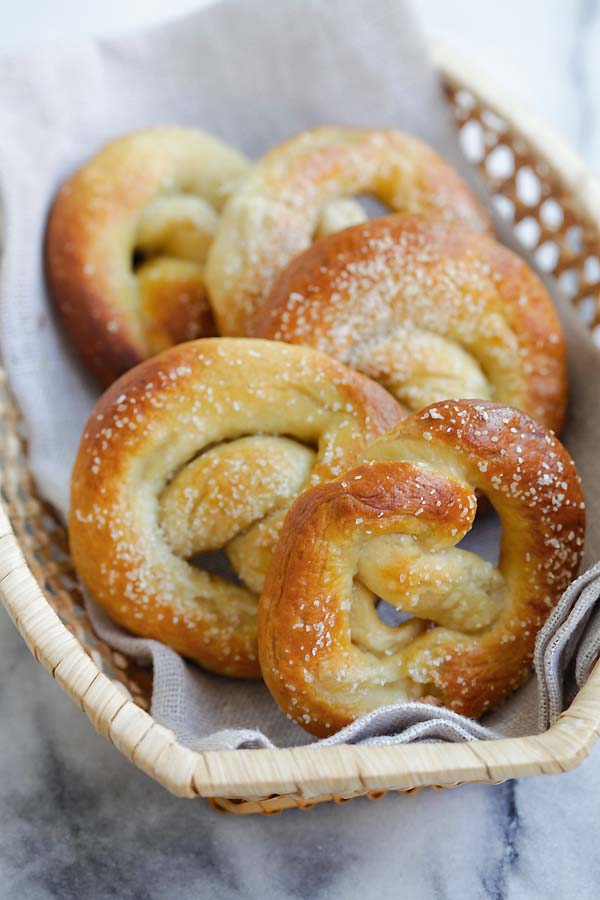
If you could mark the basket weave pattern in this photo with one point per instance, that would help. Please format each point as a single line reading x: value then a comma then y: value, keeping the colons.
x: 548, y: 198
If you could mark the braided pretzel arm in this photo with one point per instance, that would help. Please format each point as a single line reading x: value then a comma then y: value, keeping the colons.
x: 388, y: 529
x: 199, y: 449
x: 275, y: 213
x: 428, y: 309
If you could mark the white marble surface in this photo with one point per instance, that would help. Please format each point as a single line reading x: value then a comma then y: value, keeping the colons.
x: 78, y: 821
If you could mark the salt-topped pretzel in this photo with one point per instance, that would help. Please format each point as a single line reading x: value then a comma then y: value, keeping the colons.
x: 275, y: 213
x: 204, y: 447
x: 126, y: 244
x: 429, y: 309
x: 388, y: 529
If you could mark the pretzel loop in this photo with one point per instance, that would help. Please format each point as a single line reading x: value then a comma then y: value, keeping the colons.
x: 128, y: 237
x: 281, y: 206
x: 202, y: 449
x: 388, y: 529
x: 428, y: 309
x: 207, y: 505
x: 127, y: 240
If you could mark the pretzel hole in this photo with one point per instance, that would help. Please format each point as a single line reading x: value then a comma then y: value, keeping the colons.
x: 372, y: 206
x: 484, y: 537
x: 390, y: 615
x: 380, y: 628
x: 347, y: 211
x: 137, y: 258
x: 215, y: 562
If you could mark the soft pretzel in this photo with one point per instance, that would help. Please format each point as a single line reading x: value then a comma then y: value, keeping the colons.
x: 126, y: 243
x: 388, y: 529
x: 204, y: 447
x: 429, y: 309
x: 276, y: 211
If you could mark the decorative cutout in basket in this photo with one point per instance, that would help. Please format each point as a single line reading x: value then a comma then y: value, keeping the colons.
x: 549, y: 197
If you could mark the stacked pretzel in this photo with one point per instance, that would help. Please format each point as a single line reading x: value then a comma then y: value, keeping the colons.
x: 251, y: 498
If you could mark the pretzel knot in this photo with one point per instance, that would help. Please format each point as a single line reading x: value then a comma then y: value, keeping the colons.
x: 276, y: 212
x: 430, y: 310
x: 200, y: 449
x: 388, y: 529
x: 127, y: 240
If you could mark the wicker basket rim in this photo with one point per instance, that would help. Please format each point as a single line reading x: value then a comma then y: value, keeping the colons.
x: 310, y: 772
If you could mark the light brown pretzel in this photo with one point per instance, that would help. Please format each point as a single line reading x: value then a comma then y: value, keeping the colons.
x: 430, y: 310
x: 388, y: 529
x: 276, y: 212
x: 127, y: 240
x: 204, y: 447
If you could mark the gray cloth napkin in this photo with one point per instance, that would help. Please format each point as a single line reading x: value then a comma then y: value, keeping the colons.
x: 252, y: 73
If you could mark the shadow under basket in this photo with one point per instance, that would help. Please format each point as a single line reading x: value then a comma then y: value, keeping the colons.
x: 551, y: 201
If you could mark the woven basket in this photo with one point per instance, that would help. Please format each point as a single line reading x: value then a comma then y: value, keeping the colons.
x: 553, y: 203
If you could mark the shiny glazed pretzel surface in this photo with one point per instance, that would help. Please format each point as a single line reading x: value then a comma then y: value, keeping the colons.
x: 275, y: 213
x: 430, y: 310
x: 388, y: 529
x: 127, y: 240
x: 202, y: 448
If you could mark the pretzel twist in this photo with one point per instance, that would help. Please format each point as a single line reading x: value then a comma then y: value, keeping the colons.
x: 201, y: 448
x: 388, y: 529
x: 275, y: 213
x: 127, y: 241
x: 428, y: 309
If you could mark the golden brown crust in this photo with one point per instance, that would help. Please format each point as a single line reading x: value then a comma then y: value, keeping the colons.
x: 156, y: 192
x: 428, y: 309
x: 388, y: 528
x: 275, y: 213
x: 174, y: 305
x: 208, y: 441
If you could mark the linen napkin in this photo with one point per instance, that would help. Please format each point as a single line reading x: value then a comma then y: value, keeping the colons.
x: 253, y: 73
